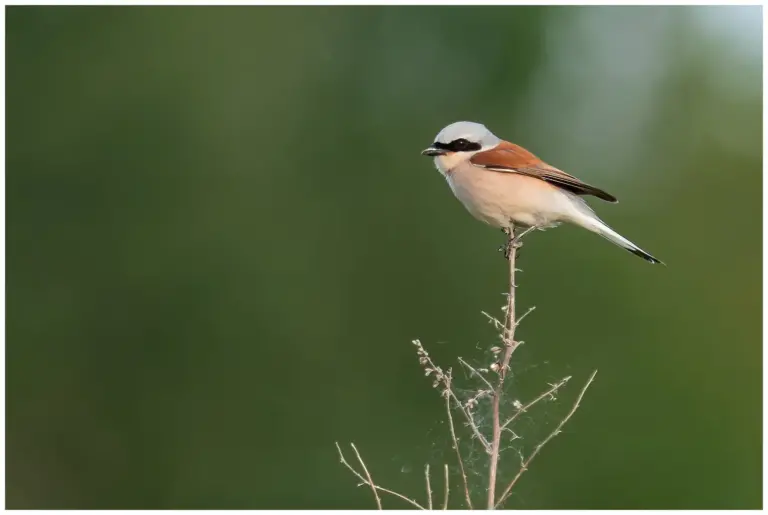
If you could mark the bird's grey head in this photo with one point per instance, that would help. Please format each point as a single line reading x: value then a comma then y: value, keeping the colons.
x: 462, y: 137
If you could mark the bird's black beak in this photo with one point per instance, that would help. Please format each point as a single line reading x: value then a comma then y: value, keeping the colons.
x: 432, y: 152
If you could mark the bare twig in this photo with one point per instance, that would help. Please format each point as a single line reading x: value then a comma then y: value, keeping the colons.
x: 447, y: 487
x: 367, y: 475
x: 495, y: 321
x: 544, y: 395
x: 430, y: 367
x: 429, y: 487
x: 501, y: 327
x: 475, y: 372
x: 525, y: 464
x: 472, y: 401
x: 344, y: 462
x: 369, y: 481
x: 471, y: 423
x: 455, y: 441
x: 522, y: 317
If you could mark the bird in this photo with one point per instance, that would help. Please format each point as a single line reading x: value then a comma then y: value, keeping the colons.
x: 505, y: 186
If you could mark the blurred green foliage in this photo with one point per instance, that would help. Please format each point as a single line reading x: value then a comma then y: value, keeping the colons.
x: 221, y: 239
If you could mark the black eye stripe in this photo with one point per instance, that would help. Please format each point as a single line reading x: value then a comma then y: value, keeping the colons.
x: 458, y: 145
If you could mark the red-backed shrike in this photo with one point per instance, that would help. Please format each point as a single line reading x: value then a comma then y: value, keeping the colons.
x: 501, y: 184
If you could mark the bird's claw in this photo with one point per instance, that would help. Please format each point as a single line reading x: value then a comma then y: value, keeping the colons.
x: 514, y: 242
x: 506, y: 249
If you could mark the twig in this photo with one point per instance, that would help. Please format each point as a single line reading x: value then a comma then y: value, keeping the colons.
x: 471, y: 422
x: 522, y: 317
x: 455, y: 442
x: 472, y: 401
x: 430, y: 367
x: 525, y: 408
x: 367, y: 475
x: 429, y: 487
x: 525, y: 464
x: 495, y: 321
x: 370, y: 483
x: 475, y: 372
x: 447, y: 487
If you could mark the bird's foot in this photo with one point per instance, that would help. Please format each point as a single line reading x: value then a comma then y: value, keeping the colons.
x: 514, y: 242
x: 506, y: 248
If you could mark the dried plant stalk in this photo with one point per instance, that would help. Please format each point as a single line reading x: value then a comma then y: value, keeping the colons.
x: 524, y: 465
x: 455, y: 441
x: 447, y: 487
x: 513, y: 243
x: 493, y: 389
x: 376, y: 488
x: 429, y: 487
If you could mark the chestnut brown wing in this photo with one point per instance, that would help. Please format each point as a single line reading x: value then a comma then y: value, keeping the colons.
x: 510, y: 158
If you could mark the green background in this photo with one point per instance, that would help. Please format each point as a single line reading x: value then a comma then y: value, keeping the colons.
x: 221, y: 239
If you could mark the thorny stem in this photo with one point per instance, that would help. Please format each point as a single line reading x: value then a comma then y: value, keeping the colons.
x: 513, y: 244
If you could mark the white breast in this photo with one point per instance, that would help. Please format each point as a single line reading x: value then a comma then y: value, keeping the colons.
x: 498, y: 197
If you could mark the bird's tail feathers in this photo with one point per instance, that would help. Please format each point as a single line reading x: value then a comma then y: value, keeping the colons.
x: 594, y: 224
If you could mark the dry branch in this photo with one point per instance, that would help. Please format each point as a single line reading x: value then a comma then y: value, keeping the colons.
x: 441, y: 377
x: 376, y: 488
x: 447, y: 487
x: 549, y: 393
x: 429, y: 486
x: 495, y: 391
x: 524, y: 465
x: 367, y: 475
x: 513, y: 244
x: 448, y: 398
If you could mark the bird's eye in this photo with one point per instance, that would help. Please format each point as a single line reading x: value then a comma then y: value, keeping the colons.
x: 460, y: 144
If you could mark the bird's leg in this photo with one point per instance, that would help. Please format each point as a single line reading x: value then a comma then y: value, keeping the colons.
x: 509, y: 232
x: 514, y: 241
